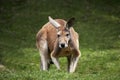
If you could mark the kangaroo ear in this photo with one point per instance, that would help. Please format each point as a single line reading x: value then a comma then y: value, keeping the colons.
x: 70, y: 22
x: 53, y: 22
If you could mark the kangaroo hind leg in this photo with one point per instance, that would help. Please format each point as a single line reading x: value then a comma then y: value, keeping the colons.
x: 43, y: 50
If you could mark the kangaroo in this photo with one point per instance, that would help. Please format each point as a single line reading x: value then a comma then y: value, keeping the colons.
x: 56, y: 39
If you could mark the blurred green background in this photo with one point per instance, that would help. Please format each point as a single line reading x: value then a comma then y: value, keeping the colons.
x: 97, y: 22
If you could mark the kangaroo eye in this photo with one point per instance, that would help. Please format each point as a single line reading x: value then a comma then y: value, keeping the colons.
x: 67, y: 34
x: 58, y: 35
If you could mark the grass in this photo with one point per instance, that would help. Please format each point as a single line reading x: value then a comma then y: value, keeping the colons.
x: 97, y: 22
x: 93, y: 65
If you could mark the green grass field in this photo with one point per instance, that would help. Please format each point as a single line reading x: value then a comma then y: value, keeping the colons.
x: 97, y: 22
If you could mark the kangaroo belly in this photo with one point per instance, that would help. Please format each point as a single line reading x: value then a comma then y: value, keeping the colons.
x: 64, y: 52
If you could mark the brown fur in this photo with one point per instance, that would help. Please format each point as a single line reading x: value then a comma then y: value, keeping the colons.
x: 49, y: 33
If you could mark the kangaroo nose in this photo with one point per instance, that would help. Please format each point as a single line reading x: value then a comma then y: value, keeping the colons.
x: 62, y: 45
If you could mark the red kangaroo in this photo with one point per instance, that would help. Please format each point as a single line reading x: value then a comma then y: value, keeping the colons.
x: 56, y: 39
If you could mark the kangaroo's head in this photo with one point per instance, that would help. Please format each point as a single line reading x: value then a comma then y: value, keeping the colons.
x: 63, y: 32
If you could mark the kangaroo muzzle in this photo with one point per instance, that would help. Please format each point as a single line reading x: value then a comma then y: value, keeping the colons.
x: 63, y: 45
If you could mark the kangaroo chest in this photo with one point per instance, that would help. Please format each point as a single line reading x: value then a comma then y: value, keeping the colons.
x: 64, y: 52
